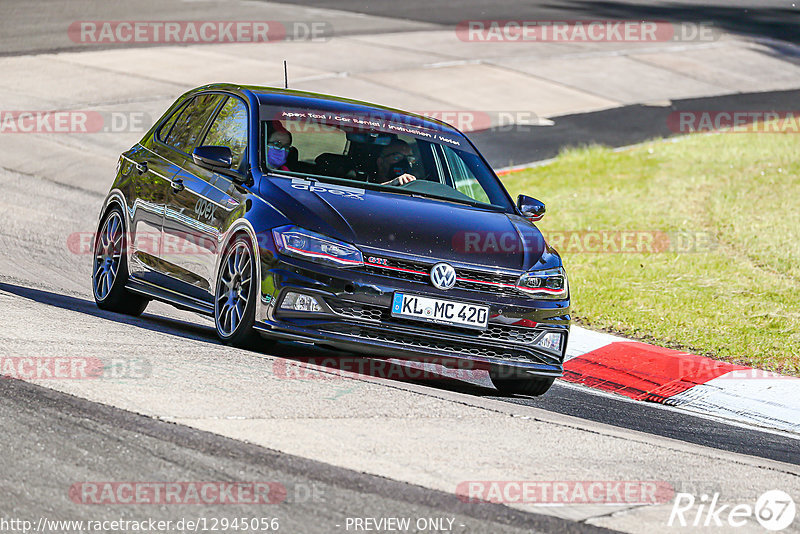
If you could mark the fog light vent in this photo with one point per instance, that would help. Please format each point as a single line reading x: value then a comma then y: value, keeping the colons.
x: 550, y: 341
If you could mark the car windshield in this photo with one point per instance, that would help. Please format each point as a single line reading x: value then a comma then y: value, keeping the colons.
x: 397, y: 154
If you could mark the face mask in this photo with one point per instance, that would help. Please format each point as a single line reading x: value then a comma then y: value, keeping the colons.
x: 276, y: 157
x: 400, y: 168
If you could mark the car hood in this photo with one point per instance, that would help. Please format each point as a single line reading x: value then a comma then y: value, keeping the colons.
x: 406, y: 225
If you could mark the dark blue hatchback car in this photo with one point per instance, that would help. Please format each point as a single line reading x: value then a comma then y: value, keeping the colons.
x: 297, y: 216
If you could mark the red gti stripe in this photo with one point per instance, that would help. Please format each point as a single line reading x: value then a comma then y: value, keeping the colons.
x: 321, y: 254
x: 534, y: 289
x: 496, y: 284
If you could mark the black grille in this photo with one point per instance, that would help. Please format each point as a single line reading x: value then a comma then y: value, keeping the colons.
x: 374, y: 269
x: 508, y: 288
x: 473, y: 277
x: 495, y: 332
x: 355, y: 310
x: 415, y: 341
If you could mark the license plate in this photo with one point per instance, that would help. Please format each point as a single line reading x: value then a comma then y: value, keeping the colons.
x: 440, y: 311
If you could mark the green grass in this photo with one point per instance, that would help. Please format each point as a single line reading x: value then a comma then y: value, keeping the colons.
x: 736, y: 300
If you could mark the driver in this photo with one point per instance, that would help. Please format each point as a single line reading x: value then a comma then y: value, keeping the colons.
x: 394, y: 164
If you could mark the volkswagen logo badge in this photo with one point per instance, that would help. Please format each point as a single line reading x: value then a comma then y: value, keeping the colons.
x: 443, y: 276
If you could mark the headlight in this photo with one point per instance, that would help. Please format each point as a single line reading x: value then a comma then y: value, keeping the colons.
x: 307, y: 245
x: 550, y: 284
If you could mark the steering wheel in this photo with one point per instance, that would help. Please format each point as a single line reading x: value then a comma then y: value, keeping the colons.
x: 395, y: 182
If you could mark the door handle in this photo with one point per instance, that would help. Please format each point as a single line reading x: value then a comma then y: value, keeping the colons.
x: 177, y: 185
x: 141, y: 168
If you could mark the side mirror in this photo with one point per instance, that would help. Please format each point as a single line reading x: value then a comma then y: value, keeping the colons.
x: 213, y: 157
x: 531, y: 209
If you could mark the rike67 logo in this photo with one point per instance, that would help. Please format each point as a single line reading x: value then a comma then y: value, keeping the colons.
x: 774, y: 510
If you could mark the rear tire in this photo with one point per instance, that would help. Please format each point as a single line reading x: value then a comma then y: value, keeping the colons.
x: 110, y: 268
x: 533, y: 386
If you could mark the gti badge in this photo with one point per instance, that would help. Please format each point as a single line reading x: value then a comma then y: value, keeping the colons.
x: 443, y: 276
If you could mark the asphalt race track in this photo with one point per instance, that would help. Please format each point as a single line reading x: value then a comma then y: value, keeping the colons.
x: 24, y: 32
x: 317, y: 494
x: 773, y: 18
x: 348, y: 448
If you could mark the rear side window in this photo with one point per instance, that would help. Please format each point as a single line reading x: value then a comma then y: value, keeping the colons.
x: 230, y: 129
x: 163, y: 131
x: 189, y: 124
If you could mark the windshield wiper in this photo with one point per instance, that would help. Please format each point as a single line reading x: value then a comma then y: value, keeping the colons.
x: 468, y: 202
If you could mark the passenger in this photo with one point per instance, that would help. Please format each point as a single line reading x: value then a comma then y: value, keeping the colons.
x: 394, y: 164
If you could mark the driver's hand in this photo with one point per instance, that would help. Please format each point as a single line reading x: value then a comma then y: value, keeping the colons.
x: 403, y: 179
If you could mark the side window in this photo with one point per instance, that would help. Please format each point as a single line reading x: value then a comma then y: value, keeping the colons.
x: 463, y: 178
x: 189, y: 125
x: 163, y: 131
x: 230, y: 129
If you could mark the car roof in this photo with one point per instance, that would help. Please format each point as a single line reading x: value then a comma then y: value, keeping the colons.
x: 275, y: 96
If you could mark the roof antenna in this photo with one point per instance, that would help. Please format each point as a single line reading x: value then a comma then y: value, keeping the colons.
x: 285, y: 76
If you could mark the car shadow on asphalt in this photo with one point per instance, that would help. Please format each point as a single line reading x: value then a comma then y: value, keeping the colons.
x: 147, y: 321
x: 336, y: 362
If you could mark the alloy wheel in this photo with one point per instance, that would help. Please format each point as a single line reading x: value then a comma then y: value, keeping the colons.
x: 107, y: 256
x: 233, y: 289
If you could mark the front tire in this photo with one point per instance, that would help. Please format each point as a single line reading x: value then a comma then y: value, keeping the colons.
x: 235, y: 295
x: 110, y: 268
x: 533, y: 386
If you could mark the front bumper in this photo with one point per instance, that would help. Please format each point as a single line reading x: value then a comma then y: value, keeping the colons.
x: 356, y: 317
